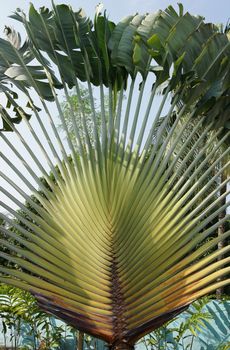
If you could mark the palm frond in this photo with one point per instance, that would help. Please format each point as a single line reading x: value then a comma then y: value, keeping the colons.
x: 115, y: 241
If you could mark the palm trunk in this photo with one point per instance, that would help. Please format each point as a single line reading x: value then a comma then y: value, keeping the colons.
x: 80, y: 341
x: 121, y: 346
x: 221, y: 230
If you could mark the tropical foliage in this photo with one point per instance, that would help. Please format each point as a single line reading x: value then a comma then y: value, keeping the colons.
x: 169, y: 336
x: 20, y: 317
x: 203, y: 325
x: 26, y: 327
x: 118, y: 242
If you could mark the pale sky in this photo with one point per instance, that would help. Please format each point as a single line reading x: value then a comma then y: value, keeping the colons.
x: 213, y: 11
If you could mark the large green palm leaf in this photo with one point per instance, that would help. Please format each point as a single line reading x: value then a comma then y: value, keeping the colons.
x: 117, y: 243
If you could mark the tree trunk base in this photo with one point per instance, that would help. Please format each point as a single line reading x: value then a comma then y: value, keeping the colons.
x: 121, y: 346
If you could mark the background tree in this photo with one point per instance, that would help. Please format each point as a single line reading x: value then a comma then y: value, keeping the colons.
x: 73, y: 110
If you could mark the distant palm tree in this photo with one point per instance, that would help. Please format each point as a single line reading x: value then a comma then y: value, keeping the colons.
x: 112, y: 247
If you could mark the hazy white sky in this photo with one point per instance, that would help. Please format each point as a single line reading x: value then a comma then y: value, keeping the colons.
x: 214, y: 11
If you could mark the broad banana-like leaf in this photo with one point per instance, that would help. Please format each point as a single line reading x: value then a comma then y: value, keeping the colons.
x: 116, y: 244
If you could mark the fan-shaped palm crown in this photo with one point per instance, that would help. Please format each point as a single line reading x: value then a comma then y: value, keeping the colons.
x: 116, y: 244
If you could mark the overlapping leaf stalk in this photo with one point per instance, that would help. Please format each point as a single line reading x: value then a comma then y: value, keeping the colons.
x: 116, y: 244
